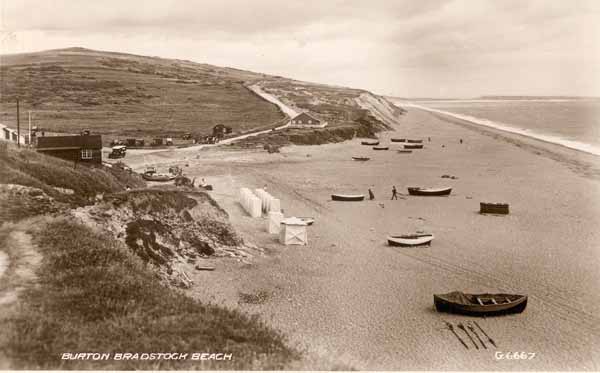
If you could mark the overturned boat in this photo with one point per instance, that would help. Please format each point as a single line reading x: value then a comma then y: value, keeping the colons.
x: 413, y: 146
x: 493, y: 208
x: 361, y: 158
x: 308, y: 220
x: 410, y: 240
x: 417, y: 191
x: 479, y: 304
x: 372, y: 143
x: 348, y: 197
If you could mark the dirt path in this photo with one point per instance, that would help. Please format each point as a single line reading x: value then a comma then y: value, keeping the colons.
x: 20, y: 265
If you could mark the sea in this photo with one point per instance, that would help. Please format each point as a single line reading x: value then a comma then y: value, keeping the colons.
x: 570, y: 122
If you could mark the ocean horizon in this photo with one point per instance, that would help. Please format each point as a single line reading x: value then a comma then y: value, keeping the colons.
x: 570, y: 122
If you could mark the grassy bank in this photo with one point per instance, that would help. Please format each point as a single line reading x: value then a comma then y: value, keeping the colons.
x: 94, y: 295
x: 64, y: 182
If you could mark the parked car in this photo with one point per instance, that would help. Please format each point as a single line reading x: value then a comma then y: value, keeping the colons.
x: 118, y: 151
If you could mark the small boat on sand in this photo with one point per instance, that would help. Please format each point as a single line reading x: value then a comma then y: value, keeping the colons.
x: 381, y: 147
x: 413, y: 146
x: 416, y: 191
x: 397, y: 140
x: 479, y: 304
x: 414, y: 141
x: 361, y: 158
x: 410, y: 240
x: 307, y: 220
x: 493, y: 208
x: 347, y: 197
x: 372, y: 143
x: 404, y: 151
x: 157, y: 177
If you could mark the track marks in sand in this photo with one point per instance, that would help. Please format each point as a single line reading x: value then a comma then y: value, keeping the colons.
x: 552, y: 299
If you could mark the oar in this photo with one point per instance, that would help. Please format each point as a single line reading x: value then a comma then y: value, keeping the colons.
x: 461, y: 326
x: 457, y: 336
x: 484, y: 333
x: 472, y: 329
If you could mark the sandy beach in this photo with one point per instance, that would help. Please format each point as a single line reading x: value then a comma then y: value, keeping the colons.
x: 350, y: 300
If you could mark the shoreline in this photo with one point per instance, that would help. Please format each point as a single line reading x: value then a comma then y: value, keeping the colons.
x: 505, y: 128
x: 585, y: 163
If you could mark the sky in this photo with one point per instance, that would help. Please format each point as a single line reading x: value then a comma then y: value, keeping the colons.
x: 416, y: 48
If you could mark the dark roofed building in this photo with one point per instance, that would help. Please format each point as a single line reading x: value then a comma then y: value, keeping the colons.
x: 306, y: 120
x: 84, y: 148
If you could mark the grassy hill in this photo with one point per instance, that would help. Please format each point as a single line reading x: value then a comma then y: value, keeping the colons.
x: 127, y: 95
x: 123, y: 95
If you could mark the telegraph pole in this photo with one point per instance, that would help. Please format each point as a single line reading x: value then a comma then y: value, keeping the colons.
x: 29, y: 139
x: 18, y: 127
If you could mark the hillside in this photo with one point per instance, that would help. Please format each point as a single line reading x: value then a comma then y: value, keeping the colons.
x: 126, y: 95
x: 123, y: 95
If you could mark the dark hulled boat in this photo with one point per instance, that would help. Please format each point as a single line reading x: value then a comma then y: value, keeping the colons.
x: 404, y: 151
x: 381, y: 147
x: 347, y: 197
x: 416, y: 191
x: 479, y: 304
x: 414, y: 141
x: 413, y: 146
x: 372, y: 143
x: 397, y: 140
x: 361, y: 158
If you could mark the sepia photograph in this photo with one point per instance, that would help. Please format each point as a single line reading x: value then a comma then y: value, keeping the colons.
x: 267, y: 185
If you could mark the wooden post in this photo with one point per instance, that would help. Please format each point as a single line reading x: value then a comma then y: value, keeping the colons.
x: 18, y: 127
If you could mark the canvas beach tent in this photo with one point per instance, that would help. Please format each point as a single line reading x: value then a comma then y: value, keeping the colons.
x: 293, y: 232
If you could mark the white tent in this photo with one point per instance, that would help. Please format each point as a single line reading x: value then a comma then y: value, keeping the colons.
x: 274, y: 223
x: 293, y: 232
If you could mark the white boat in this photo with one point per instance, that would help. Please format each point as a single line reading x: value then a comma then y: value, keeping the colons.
x: 410, y: 240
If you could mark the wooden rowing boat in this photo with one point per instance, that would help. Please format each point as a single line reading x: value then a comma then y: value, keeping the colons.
x: 157, y: 177
x: 416, y: 191
x: 410, y: 240
x: 479, y: 304
x: 372, y: 143
x: 413, y: 146
x: 414, y: 141
x: 347, y: 197
x: 493, y: 208
x: 381, y: 147
x: 361, y: 158
x: 397, y: 140
x: 404, y: 151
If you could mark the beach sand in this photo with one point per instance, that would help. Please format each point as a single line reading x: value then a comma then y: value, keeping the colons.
x: 350, y: 300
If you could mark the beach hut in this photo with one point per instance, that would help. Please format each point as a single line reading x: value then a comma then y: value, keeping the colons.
x: 293, y: 232
x: 274, y: 223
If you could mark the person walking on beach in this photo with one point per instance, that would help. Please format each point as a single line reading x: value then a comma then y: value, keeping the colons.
x: 371, y: 195
x: 394, y: 192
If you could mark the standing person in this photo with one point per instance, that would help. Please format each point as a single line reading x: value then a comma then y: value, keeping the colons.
x: 371, y: 195
x: 394, y: 192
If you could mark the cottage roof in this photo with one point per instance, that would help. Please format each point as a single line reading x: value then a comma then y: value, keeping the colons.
x: 69, y: 142
x: 305, y: 117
